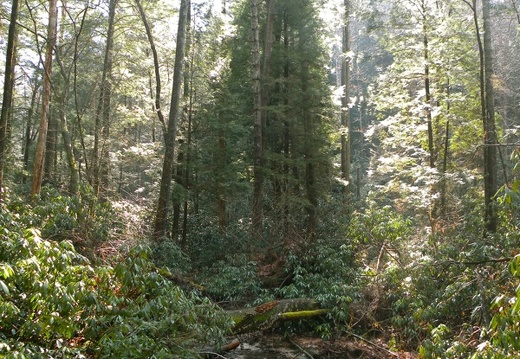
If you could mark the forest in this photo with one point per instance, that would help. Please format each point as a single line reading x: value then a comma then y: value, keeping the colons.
x: 191, y: 178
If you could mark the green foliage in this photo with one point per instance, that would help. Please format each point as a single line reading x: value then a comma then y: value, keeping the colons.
x: 168, y: 254
x: 233, y: 279
x: 53, y: 302
x: 326, y: 271
x: 83, y: 219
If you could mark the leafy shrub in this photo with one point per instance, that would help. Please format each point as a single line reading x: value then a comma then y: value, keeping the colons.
x: 233, y: 279
x: 326, y: 271
x: 54, y: 303
x: 83, y: 219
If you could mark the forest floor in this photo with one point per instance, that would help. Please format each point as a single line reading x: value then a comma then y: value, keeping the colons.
x: 275, y: 346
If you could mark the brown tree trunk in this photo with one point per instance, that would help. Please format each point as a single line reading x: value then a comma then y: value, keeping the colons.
x: 62, y: 102
x: 345, y: 111
x: 182, y: 158
x: 28, y: 137
x: 427, y: 95
x: 490, y: 135
x: 101, y: 160
x: 258, y: 150
x: 51, y: 154
x: 39, y: 157
x: 161, y: 216
x: 9, y: 80
x: 309, y: 158
x: 156, y: 67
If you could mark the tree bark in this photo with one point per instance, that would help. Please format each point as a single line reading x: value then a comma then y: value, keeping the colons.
x: 345, y: 111
x: 490, y: 135
x: 51, y: 153
x: 39, y: 157
x: 161, y: 215
x: 28, y: 137
x: 101, y: 153
x: 9, y: 80
x: 427, y: 95
x: 156, y: 67
x: 62, y: 102
x: 258, y: 150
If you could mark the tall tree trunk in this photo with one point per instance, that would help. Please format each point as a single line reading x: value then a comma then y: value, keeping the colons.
x: 28, y: 137
x: 187, y: 184
x: 286, y: 129
x: 261, y: 90
x: 161, y: 215
x: 7, y: 99
x: 266, y: 69
x: 101, y: 159
x: 345, y: 111
x: 446, y: 152
x: 62, y: 102
x: 309, y: 156
x: 258, y: 150
x: 189, y: 95
x: 149, y: 35
x: 39, y: 157
x: 51, y: 154
x: 181, y: 165
x: 490, y: 135
x: 427, y: 94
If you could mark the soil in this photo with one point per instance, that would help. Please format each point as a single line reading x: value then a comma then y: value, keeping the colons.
x: 279, y: 347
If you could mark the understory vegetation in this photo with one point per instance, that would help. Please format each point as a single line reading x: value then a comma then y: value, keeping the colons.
x: 450, y: 294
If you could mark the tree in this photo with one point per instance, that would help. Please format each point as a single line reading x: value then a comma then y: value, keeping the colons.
x: 161, y: 216
x: 101, y: 154
x: 9, y: 80
x: 39, y: 158
x: 490, y: 134
x: 487, y: 114
x: 345, y: 103
x: 258, y: 141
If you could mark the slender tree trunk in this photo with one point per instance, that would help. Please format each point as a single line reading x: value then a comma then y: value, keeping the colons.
x: 156, y: 67
x: 39, y: 157
x: 258, y: 177
x: 427, y: 95
x: 28, y: 138
x: 107, y: 99
x: 309, y: 155
x: 51, y: 154
x: 7, y: 99
x: 184, y: 238
x: 101, y: 153
x: 446, y: 152
x: 490, y: 135
x: 345, y: 111
x: 62, y: 102
x: 161, y: 216
x: 286, y: 130
x: 266, y: 69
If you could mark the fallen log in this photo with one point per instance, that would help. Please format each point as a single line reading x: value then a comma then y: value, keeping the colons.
x: 264, y: 316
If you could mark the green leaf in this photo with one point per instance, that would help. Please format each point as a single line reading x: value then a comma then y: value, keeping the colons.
x: 6, y: 270
x: 3, y: 286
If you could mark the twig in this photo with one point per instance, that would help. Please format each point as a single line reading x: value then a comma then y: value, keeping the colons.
x: 301, y: 349
x: 372, y: 343
x: 215, y: 354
